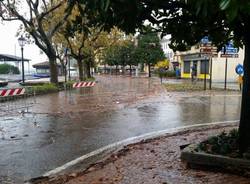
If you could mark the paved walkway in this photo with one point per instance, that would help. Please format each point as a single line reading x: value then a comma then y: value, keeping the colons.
x: 155, y: 161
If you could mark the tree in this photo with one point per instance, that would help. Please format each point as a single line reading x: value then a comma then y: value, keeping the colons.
x: 130, y: 56
x: 6, y: 69
x: 111, y: 57
x: 85, y: 41
x: 149, y: 50
x: 121, y: 55
x: 188, y: 21
x: 35, y: 23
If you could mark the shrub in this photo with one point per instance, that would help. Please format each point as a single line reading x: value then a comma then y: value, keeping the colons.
x: 224, y: 144
x: 7, y: 68
x: 89, y: 79
x: 42, y: 89
x: 170, y: 73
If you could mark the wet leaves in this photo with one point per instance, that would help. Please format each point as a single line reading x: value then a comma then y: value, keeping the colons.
x: 138, y: 163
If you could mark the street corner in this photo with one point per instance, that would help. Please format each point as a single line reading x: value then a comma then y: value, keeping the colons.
x: 154, y: 160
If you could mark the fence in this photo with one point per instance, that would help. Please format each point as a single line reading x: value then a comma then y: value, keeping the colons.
x: 15, y: 100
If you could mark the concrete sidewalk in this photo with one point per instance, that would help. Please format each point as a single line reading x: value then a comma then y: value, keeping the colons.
x: 154, y: 161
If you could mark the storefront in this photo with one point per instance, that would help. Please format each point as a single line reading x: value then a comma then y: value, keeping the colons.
x: 196, y: 64
x: 202, y: 64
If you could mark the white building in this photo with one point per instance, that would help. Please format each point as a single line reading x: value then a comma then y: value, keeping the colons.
x: 165, y: 41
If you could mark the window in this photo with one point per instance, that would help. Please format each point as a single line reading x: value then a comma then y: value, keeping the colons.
x: 186, y: 66
x: 204, y: 67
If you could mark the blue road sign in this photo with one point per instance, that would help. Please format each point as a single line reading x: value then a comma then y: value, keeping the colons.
x: 239, y: 69
x: 229, y: 49
x: 205, y: 40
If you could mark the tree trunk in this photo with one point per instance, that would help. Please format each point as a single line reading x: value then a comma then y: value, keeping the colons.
x: 87, y: 69
x: 53, y: 70
x: 123, y: 69
x: 116, y: 68
x: 244, y: 128
x: 80, y: 69
x: 130, y: 70
x: 105, y: 68
x: 149, y: 70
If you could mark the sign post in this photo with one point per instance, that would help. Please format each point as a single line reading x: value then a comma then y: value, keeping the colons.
x: 208, y: 49
x: 205, y: 76
x: 240, y: 71
x: 225, y: 82
x: 211, y: 69
x: 229, y: 51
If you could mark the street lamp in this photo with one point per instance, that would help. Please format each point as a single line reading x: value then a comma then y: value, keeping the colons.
x: 67, y: 55
x: 21, y: 42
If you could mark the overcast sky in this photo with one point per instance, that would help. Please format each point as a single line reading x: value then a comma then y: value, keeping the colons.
x: 9, y: 44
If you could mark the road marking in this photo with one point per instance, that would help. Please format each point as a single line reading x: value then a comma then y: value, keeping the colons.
x: 116, y: 145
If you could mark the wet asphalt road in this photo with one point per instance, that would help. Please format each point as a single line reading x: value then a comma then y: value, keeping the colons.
x: 66, y: 125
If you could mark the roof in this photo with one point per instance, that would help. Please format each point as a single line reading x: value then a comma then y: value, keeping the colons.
x: 43, y: 64
x: 8, y: 57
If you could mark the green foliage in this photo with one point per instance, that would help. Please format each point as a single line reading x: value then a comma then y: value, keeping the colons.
x: 112, y: 56
x: 6, y: 69
x: 224, y: 144
x: 149, y: 50
x: 90, y: 79
x: 170, y: 73
x: 42, y: 89
x: 68, y: 84
x: 120, y: 55
x: 186, y: 20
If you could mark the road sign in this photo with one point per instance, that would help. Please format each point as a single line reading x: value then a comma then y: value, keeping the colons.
x: 230, y: 51
x: 207, y: 48
x: 209, y: 51
x: 239, y: 69
x: 205, y: 40
x: 229, y: 55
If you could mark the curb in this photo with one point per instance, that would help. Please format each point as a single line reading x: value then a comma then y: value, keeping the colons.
x: 120, y: 144
x: 203, y: 160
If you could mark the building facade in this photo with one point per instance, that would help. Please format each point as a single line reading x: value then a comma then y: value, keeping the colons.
x: 214, y: 66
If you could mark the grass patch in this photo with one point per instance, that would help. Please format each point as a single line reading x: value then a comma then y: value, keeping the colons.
x: 184, y: 87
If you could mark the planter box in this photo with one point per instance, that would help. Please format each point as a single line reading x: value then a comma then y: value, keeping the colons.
x: 204, y: 160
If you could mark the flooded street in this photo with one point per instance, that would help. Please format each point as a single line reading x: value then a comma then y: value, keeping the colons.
x: 63, y: 126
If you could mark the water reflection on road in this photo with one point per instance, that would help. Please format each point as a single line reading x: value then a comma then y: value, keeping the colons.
x: 65, y: 125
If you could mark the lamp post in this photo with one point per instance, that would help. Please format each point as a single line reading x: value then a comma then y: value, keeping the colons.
x: 21, y: 41
x: 67, y: 53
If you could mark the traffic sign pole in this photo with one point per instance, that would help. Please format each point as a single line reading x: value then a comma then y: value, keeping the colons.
x: 225, y: 85
x: 211, y: 69
x: 205, y: 77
